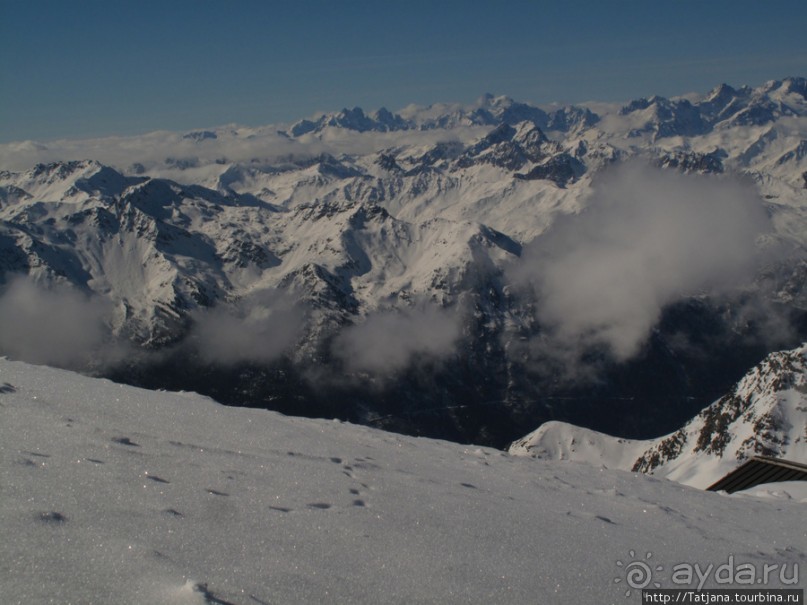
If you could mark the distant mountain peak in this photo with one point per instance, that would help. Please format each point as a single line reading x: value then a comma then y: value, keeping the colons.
x: 200, y: 135
x: 64, y: 169
x: 721, y: 92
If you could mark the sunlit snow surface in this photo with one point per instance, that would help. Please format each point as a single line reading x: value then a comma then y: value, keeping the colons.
x: 110, y: 494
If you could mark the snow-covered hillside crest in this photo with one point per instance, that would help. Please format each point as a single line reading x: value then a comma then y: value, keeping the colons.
x: 765, y: 414
x: 556, y: 440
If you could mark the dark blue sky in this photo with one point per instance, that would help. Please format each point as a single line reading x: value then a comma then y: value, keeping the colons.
x: 84, y: 68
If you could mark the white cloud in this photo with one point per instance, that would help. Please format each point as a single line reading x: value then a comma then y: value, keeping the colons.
x: 233, y: 144
x: 387, y: 342
x: 646, y: 238
x: 257, y: 328
x: 57, y: 325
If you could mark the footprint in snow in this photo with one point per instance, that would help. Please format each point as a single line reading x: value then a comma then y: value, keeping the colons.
x: 365, y: 465
x: 125, y: 441
x: 591, y: 516
x: 52, y: 518
x: 37, y: 454
x: 209, y: 596
x: 25, y: 461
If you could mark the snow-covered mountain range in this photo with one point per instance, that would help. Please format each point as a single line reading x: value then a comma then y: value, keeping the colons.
x: 461, y: 271
x: 764, y: 414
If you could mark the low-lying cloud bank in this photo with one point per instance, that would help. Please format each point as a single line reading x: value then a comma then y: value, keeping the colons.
x: 258, y: 328
x: 53, y: 325
x: 387, y: 342
x: 647, y: 238
x: 61, y: 326
x: 176, y: 155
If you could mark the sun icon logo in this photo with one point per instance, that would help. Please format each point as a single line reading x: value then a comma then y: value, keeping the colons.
x: 638, y: 574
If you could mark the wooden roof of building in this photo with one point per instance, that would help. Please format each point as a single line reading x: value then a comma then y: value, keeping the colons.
x: 759, y: 470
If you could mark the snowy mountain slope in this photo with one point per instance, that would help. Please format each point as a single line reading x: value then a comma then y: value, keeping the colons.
x: 355, y: 215
x: 768, y: 148
x: 115, y: 494
x: 155, y: 246
x: 129, y: 240
x: 555, y: 440
x: 558, y: 161
x: 765, y: 414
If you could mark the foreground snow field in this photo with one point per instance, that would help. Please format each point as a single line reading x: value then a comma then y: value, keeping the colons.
x: 111, y: 494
